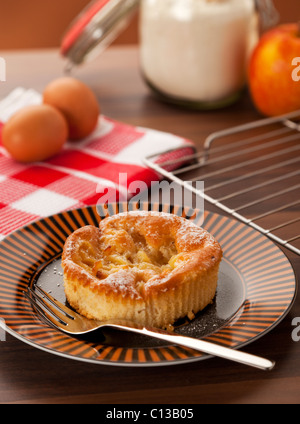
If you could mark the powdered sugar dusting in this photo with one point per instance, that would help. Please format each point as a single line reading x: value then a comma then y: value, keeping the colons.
x: 130, y: 250
x: 123, y: 282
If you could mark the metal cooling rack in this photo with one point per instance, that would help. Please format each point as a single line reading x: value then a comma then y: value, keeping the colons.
x: 246, y: 169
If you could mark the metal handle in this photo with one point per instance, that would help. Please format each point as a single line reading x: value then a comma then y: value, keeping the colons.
x: 269, y: 15
x: 206, y: 347
x: 215, y: 350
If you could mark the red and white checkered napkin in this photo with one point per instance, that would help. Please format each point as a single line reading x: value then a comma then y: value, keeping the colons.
x: 81, y: 174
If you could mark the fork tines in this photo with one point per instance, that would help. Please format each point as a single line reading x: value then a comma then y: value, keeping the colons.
x: 48, y: 307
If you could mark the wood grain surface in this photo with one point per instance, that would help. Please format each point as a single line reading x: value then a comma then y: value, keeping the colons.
x: 31, y: 376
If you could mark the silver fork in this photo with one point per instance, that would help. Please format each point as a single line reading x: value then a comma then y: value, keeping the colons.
x: 68, y: 321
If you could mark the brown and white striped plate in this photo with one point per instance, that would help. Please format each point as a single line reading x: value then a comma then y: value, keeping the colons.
x: 257, y: 288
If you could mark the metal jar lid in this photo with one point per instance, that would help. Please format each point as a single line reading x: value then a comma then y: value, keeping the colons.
x: 96, y: 28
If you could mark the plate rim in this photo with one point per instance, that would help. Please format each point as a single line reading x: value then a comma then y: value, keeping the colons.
x: 177, y: 361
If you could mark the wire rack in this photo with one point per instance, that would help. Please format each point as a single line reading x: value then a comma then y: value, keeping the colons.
x: 252, y: 173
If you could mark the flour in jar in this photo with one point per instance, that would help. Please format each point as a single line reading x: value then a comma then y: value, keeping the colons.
x: 197, y: 49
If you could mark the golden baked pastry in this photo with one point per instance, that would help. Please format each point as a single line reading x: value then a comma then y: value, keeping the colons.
x: 146, y: 267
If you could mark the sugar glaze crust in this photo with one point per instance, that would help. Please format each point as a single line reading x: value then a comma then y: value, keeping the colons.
x: 144, y: 261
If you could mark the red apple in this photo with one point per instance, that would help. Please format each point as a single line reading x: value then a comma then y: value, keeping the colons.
x: 274, y: 71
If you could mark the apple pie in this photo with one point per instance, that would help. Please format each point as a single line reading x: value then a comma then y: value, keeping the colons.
x: 150, y: 268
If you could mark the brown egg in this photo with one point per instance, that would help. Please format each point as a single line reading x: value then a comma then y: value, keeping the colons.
x: 77, y: 103
x: 35, y: 133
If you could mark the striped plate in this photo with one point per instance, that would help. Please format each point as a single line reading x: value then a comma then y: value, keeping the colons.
x: 257, y: 288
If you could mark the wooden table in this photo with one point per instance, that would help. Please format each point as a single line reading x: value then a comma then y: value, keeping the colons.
x: 32, y: 376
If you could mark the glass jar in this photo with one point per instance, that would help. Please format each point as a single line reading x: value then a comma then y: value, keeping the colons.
x: 95, y: 29
x: 193, y: 52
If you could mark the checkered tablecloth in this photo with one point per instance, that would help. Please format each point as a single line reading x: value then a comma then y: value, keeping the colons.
x: 83, y: 171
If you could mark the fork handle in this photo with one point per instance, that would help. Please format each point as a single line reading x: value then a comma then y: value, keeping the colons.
x: 208, y: 348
